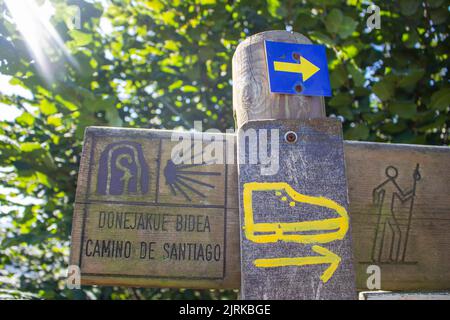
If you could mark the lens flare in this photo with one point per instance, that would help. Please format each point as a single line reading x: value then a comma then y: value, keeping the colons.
x: 42, y: 39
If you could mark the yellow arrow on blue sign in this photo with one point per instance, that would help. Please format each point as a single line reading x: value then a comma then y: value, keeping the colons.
x: 292, y: 66
x: 306, y: 68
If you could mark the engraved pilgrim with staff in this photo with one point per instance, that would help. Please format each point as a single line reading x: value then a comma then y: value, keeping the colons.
x: 391, y: 236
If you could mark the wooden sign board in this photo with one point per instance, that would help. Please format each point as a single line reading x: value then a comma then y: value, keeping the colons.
x: 400, y: 210
x: 141, y: 220
x: 380, y: 180
x: 295, y: 237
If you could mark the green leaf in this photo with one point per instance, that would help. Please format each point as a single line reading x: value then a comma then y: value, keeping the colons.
x: 374, y: 117
x: 409, y: 81
x: 15, y: 82
x: 276, y: 9
x: 189, y: 88
x: 342, y: 99
x: 351, y: 51
x: 439, y: 16
x: 169, y: 18
x: 30, y: 146
x: 440, y: 100
x: 358, y: 132
x: 393, y: 128
x: 347, y: 27
x: 404, y: 109
x: 177, y: 84
x: 171, y: 45
x: 333, y: 20
x: 321, y: 38
x: 69, y: 105
x: 55, y: 120
x: 43, y: 179
x: 409, y: 7
x: 47, y: 107
x: 25, y: 119
x: 409, y: 137
x: 305, y: 21
x: 357, y: 75
x: 155, y: 5
x: 346, y: 112
x: 113, y: 117
x: 435, y: 3
x: 207, y: 2
x: 338, y: 76
x: 434, y: 124
x: 411, y: 38
x: 80, y: 38
x: 383, y: 89
x: 100, y: 104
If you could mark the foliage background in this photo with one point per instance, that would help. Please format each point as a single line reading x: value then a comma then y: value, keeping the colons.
x: 164, y: 64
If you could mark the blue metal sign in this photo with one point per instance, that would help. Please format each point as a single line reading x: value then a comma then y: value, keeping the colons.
x: 297, y: 69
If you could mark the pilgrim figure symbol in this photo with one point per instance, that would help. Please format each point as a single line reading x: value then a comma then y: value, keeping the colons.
x: 391, y: 236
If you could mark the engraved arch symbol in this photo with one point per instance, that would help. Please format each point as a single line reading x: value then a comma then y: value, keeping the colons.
x: 123, y: 170
x: 126, y: 171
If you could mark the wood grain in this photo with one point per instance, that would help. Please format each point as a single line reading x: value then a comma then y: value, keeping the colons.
x: 427, y: 258
x: 252, y: 99
x: 171, y: 232
x: 418, y: 223
x: 303, y: 257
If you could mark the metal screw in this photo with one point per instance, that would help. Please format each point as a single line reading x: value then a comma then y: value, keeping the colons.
x: 298, y: 88
x: 290, y: 137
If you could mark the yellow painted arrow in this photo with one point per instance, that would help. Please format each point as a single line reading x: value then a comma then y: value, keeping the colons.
x: 305, y: 67
x: 326, y: 257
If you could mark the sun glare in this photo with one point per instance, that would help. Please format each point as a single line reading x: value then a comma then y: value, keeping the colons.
x: 33, y: 22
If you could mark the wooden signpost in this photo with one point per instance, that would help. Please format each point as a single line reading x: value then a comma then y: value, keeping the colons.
x: 142, y: 220
x: 426, y: 254
x: 295, y: 238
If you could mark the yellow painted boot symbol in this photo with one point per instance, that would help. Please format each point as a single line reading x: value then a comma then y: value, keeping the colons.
x: 300, y: 232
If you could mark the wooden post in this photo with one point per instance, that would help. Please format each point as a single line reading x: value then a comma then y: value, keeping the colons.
x: 251, y: 93
x: 295, y: 238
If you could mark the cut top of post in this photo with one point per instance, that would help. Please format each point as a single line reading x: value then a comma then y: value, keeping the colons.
x: 252, y: 99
